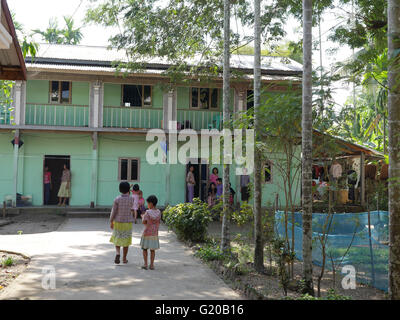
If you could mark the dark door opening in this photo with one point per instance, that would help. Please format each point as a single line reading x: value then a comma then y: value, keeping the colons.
x: 201, y: 177
x: 55, y: 165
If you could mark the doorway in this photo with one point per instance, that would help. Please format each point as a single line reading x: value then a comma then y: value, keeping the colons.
x: 55, y: 165
x: 201, y: 177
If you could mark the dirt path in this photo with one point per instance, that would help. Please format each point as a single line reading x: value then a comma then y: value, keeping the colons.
x: 82, y: 258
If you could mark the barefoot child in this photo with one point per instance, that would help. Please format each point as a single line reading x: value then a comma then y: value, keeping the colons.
x: 151, y: 220
x: 121, y: 222
x: 135, y: 196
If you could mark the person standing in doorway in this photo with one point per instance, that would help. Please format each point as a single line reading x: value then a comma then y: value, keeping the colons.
x: 244, y: 185
x: 214, y: 176
x: 47, y: 185
x: 191, y: 182
x: 65, y: 189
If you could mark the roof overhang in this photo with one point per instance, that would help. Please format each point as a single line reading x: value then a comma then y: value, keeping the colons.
x: 12, y: 64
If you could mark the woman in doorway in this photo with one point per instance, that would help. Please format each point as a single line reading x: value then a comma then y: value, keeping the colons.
x: 191, y: 182
x: 214, y: 176
x: 47, y: 184
x: 65, y: 189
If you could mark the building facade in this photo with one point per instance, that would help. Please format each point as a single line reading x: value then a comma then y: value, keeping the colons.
x: 75, y: 109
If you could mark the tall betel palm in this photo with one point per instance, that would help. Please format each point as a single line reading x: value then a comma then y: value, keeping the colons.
x: 307, y: 147
x: 394, y: 146
x: 259, y: 245
x: 225, y: 241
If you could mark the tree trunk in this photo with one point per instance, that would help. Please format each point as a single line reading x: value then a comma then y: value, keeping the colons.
x: 394, y: 147
x: 259, y: 243
x: 307, y: 147
x: 225, y: 238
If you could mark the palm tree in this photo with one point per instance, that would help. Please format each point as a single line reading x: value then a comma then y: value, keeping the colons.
x: 394, y: 147
x: 68, y: 35
x: 52, y: 34
x: 307, y: 147
x: 259, y: 245
x: 225, y: 241
x: 71, y: 35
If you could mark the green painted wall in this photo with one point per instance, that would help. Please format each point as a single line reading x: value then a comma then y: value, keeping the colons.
x: 112, y: 95
x: 80, y: 93
x: 37, y: 91
x: 183, y: 100
x: 157, y: 97
x: 110, y: 148
x: 6, y: 165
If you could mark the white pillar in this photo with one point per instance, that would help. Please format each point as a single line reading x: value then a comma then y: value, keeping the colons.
x: 96, y: 105
x: 19, y: 102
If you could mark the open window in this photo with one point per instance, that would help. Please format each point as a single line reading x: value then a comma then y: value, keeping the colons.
x: 204, y: 98
x: 60, y: 92
x: 250, y: 99
x: 128, y: 169
x: 268, y: 172
x: 136, y: 95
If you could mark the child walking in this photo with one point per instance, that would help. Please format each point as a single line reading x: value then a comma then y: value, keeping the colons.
x: 151, y: 220
x: 121, y: 222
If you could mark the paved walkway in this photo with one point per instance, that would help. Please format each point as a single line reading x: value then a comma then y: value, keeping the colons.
x: 83, y: 260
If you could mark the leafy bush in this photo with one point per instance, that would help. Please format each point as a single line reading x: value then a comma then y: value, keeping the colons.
x: 210, y: 252
x: 8, y: 262
x: 188, y: 220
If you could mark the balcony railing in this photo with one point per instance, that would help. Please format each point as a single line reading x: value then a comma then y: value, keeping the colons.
x: 57, y: 115
x: 130, y: 117
x: 199, y: 119
x: 5, y: 114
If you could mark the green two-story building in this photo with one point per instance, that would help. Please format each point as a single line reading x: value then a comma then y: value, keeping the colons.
x: 74, y: 108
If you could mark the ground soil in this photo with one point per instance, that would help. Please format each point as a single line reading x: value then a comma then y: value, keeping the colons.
x: 10, y: 273
x: 269, y: 286
x: 29, y: 223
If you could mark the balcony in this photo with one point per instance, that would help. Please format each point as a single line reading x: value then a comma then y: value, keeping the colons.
x: 199, y: 119
x: 5, y: 114
x: 57, y: 115
x: 130, y: 117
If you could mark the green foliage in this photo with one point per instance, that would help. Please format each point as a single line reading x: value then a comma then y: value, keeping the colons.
x: 210, y: 252
x: 179, y: 30
x: 67, y: 35
x: 8, y: 262
x: 332, y: 295
x: 243, y: 215
x: 188, y: 220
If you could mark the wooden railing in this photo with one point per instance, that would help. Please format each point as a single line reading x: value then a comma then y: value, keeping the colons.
x: 5, y: 114
x: 57, y: 115
x: 199, y: 119
x: 131, y: 117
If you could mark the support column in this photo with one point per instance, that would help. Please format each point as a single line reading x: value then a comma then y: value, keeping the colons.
x: 15, y: 164
x: 169, y: 123
x: 362, y: 178
x: 93, y: 188
x: 96, y: 105
x: 19, y: 102
x: 240, y: 107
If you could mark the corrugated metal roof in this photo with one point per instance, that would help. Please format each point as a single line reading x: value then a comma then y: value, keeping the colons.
x: 56, y: 54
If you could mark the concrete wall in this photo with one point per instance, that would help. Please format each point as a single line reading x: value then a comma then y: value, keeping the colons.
x: 110, y: 148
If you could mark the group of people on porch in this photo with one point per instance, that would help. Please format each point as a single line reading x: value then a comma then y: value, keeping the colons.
x: 215, y: 187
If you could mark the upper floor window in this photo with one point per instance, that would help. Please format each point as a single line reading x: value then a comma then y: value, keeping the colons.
x: 60, y: 92
x: 204, y: 98
x: 136, y: 95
